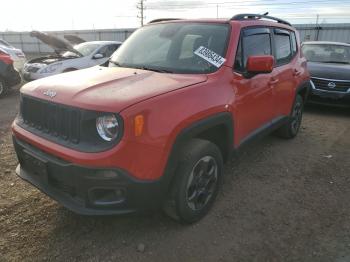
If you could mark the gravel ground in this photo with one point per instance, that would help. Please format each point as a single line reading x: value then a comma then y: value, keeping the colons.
x: 281, y: 201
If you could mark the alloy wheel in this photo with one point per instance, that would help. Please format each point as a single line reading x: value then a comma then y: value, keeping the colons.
x: 202, y: 183
x: 296, y: 117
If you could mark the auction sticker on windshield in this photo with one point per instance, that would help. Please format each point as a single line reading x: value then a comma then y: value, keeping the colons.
x: 210, y: 56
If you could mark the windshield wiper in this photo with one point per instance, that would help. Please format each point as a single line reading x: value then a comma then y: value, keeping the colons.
x: 335, y: 62
x: 114, y: 63
x: 153, y: 69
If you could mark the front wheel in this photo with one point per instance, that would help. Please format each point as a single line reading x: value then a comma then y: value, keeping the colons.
x: 197, y: 181
x: 291, y: 128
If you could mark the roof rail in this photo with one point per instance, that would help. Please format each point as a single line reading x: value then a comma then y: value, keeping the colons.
x: 163, y: 20
x: 258, y: 16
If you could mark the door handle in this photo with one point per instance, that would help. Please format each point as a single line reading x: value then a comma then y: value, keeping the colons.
x: 273, y: 81
x: 296, y: 72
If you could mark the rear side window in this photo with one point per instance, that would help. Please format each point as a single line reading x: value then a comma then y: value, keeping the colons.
x: 283, y: 47
x: 253, y: 42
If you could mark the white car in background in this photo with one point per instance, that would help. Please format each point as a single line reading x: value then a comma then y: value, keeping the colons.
x: 67, y: 57
x: 16, y: 54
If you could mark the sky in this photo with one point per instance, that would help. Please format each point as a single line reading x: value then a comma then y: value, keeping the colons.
x: 50, y: 15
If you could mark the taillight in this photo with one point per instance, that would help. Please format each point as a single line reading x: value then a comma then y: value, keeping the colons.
x: 6, y: 58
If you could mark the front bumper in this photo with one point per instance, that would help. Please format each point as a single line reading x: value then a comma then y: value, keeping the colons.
x: 30, y: 76
x: 331, y: 98
x: 84, y: 190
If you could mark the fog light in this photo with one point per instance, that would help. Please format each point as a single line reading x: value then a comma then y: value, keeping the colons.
x: 105, y: 196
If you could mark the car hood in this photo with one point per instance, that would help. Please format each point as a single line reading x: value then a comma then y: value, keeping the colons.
x: 109, y: 89
x: 329, y: 70
x: 59, y: 45
x: 74, y: 39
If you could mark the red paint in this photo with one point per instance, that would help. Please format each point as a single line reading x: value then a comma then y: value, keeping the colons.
x: 6, y: 58
x: 260, y: 64
x: 169, y: 103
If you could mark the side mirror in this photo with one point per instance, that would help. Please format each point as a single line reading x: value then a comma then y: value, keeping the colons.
x: 260, y: 64
x: 98, y: 56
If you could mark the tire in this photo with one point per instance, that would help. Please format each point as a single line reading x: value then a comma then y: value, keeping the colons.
x: 291, y: 128
x: 197, y: 180
x: 3, y: 88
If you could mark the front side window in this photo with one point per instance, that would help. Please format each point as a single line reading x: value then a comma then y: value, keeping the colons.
x: 253, y: 42
x: 327, y: 53
x: 170, y: 47
x: 283, y: 48
x: 107, y: 50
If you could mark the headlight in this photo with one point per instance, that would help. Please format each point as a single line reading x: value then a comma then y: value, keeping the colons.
x: 107, y: 127
x: 51, y: 68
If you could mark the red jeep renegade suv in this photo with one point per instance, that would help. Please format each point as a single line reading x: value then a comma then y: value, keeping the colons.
x: 153, y: 126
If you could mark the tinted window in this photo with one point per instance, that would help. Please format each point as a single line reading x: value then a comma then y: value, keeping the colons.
x: 251, y: 45
x: 107, y: 50
x: 111, y: 49
x: 283, y: 48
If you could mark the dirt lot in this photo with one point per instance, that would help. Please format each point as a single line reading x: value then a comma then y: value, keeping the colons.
x: 281, y: 201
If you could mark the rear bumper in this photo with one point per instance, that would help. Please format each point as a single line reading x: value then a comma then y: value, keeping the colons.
x: 84, y: 190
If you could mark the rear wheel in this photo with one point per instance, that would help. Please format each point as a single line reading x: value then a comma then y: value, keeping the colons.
x: 197, y: 181
x: 291, y: 128
x: 3, y: 88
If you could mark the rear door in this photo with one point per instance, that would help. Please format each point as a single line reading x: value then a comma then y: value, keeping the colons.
x: 286, y: 69
x: 253, y: 106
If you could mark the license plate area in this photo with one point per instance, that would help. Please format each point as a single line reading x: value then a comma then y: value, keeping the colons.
x: 35, y: 165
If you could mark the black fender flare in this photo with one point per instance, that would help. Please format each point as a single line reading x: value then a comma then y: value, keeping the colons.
x: 196, y: 128
x: 305, y: 86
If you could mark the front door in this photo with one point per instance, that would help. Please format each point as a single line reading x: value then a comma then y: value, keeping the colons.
x: 253, y: 105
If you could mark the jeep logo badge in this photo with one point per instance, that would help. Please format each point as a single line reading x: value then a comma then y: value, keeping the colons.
x: 50, y: 93
x: 331, y: 85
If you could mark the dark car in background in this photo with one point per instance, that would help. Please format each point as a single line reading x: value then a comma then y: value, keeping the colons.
x: 329, y: 66
x: 9, y: 76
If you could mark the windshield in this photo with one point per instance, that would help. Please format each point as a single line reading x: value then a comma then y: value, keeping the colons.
x: 170, y: 47
x: 84, y: 48
x: 327, y: 53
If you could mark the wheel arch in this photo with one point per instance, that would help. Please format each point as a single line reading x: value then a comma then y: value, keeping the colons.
x: 217, y: 129
x: 303, y: 89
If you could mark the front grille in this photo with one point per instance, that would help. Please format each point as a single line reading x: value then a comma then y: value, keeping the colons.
x: 331, y: 85
x: 52, y: 119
